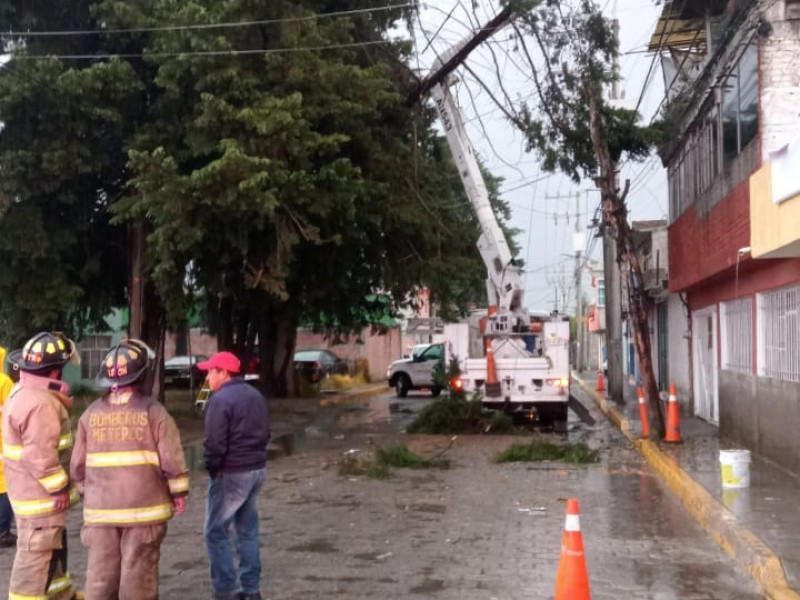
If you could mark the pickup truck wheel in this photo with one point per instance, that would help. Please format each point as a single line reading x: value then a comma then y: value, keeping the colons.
x: 401, y: 385
x: 435, y: 391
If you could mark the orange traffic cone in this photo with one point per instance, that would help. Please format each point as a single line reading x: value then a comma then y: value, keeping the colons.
x: 643, y: 413
x: 572, y: 581
x: 493, y: 389
x: 673, y: 418
x: 601, y: 386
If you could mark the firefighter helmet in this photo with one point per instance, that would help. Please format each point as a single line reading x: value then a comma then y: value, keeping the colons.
x: 44, y: 352
x: 125, y: 363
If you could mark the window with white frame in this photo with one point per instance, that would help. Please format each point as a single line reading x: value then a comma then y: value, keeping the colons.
x: 779, y: 334
x: 737, y: 335
x: 93, y: 351
x: 722, y: 130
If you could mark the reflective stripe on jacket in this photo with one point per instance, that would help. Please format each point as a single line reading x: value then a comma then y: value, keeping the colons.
x: 36, y: 439
x: 5, y: 389
x: 128, y: 461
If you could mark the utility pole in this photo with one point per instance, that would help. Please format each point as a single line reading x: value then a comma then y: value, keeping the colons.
x: 612, y: 276
x: 578, y: 243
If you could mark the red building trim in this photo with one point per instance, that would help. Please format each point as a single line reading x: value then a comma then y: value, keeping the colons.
x: 703, y: 248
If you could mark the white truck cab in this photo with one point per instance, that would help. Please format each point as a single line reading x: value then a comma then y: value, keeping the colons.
x: 417, y: 372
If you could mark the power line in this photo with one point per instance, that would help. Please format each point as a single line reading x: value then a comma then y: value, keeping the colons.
x: 200, y: 26
x: 657, y: 53
x: 250, y: 52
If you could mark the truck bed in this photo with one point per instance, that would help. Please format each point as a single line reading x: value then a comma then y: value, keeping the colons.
x: 522, y: 380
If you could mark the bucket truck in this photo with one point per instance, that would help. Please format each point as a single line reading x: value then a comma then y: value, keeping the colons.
x: 518, y: 364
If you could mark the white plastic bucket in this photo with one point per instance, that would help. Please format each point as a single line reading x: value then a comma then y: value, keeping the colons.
x: 735, y: 468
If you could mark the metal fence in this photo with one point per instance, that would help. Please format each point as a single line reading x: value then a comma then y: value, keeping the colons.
x: 737, y: 335
x: 779, y: 334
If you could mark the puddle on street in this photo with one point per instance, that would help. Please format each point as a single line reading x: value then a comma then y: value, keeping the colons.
x: 330, y: 425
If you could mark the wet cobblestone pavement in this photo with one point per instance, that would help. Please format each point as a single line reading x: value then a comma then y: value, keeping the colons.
x: 478, y: 530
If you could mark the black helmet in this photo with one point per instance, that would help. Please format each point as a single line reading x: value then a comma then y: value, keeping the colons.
x: 125, y: 363
x: 44, y: 352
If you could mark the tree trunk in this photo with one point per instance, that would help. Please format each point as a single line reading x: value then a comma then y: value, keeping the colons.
x: 136, y: 234
x: 154, y: 329
x: 277, y: 332
x: 147, y: 321
x: 615, y: 215
x: 225, y: 324
x: 640, y: 304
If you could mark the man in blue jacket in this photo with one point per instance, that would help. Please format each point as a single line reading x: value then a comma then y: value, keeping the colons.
x: 237, y: 433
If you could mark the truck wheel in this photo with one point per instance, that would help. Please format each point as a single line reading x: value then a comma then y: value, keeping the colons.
x: 560, y: 416
x: 401, y: 385
x: 553, y: 415
x: 435, y: 391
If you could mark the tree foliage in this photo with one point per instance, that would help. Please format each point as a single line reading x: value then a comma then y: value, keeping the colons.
x: 575, y: 46
x: 275, y: 169
x: 61, y: 159
x: 579, y: 133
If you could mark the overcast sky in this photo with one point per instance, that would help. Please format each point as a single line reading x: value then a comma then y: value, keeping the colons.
x: 544, y: 205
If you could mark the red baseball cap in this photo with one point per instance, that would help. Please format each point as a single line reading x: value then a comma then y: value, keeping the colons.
x: 221, y: 360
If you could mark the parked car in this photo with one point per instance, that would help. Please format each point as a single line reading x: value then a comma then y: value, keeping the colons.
x: 315, y: 365
x: 178, y: 370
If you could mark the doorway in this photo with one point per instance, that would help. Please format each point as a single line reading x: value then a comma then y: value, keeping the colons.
x: 704, y: 357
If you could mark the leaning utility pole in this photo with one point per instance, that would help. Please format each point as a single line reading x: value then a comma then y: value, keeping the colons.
x: 611, y: 275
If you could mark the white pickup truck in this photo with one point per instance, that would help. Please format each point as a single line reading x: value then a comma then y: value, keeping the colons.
x: 417, y: 371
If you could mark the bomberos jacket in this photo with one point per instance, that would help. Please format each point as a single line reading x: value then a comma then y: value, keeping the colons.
x: 36, y: 443
x: 128, y: 462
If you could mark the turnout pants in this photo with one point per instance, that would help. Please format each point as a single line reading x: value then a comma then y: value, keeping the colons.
x: 123, y: 561
x: 40, y: 565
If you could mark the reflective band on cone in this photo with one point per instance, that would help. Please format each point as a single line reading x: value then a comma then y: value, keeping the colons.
x: 673, y: 433
x: 643, y: 414
x: 572, y: 523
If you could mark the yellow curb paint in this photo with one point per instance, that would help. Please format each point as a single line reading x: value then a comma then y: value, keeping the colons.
x: 737, y: 542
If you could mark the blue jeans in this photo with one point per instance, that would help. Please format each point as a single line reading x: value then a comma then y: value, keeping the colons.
x: 233, y: 500
x: 6, y: 514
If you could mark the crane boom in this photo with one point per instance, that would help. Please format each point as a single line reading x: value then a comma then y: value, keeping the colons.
x: 504, y: 284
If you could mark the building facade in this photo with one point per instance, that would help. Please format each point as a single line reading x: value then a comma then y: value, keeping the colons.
x: 734, y: 217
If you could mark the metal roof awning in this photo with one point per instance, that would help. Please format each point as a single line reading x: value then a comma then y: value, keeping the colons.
x: 682, y: 24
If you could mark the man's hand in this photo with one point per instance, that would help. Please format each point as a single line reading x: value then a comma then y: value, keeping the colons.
x: 61, y: 501
x: 179, y: 502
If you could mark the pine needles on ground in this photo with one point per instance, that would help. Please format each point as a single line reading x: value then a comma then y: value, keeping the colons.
x: 458, y: 415
x: 395, y: 456
x: 537, y: 451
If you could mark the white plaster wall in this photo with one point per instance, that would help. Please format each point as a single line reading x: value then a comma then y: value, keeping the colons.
x: 780, y: 82
x: 678, y: 349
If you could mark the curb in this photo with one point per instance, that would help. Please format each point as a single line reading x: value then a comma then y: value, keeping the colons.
x: 738, y: 542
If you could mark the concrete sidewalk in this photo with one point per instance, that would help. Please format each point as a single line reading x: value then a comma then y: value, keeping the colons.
x: 758, y: 526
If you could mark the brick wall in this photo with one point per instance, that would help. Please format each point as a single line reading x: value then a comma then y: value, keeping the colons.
x: 755, y: 275
x: 201, y: 343
x: 702, y: 248
x: 378, y: 349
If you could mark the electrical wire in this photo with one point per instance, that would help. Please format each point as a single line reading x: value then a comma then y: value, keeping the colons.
x: 202, y: 26
x: 656, y: 54
x: 204, y: 53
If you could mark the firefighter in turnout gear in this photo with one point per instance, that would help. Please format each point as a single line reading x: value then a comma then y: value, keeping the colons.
x: 36, y: 438
x: 128, y: 464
